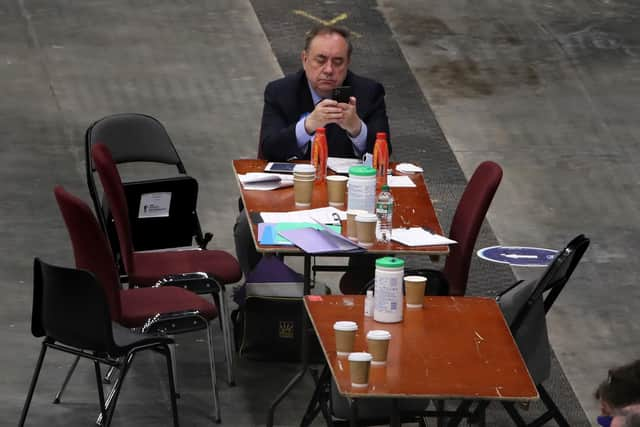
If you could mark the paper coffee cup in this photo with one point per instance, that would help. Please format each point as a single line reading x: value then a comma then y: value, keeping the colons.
x: 352, y: 232
x: 303, y: 190
x: 378, y: 346
x: 336, y: 189
x: 345, y: 336
x: 359, y: 364
x: 414, y: 287
x: 366, y: 228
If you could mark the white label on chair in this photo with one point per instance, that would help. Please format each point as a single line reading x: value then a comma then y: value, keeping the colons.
x: 154, y: 205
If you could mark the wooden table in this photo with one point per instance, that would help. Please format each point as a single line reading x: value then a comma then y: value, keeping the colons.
x: 453, y: 348
x: 412, y: 207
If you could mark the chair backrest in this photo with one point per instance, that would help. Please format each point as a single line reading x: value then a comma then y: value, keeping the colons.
x: 525, y: 306
x: 465, y: 226
x: 554, y: 278
x: 114, y: 191
x: 69, y: 306
x: 90, y: 247
x: 133, y: 137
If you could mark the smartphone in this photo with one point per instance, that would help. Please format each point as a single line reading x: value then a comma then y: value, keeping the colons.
x: 279, y: 167
x: 342, y: 94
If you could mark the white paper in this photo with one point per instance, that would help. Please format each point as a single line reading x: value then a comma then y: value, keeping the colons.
x: 408, y: 168
x: 324, y: 215
x: 342, y: 165
x: 265, y: 181
x: 418, y: 236
x: 154, y: 205
x: 399, y: 181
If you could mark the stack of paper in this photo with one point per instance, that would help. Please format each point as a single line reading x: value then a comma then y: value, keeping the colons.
x: 418, y: 236
x: 399, y: 181
x: 342, y: 165
x: 326, y: 215
x: 265, y: 181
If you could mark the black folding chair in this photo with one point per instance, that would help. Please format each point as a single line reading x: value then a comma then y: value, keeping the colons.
x: 525, y: 305
x: 138, y: 138
x: 71, y: 312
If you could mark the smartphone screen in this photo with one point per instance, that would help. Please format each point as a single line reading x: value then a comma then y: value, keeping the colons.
x: 342, y: 94
x: 280, y: 167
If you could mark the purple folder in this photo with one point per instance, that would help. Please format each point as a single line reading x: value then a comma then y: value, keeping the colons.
x: 314, y: 241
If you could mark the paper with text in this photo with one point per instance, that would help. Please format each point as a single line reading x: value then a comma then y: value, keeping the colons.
x: 154, y: 205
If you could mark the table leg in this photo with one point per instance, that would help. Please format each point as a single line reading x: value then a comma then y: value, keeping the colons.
x: 395, y: 413
x: 463, y: 409
x: 353, y: 421
x: 318, y: 399
x: 304, y: 350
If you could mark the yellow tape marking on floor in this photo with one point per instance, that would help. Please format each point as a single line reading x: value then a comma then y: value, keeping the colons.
x: 333, y: 21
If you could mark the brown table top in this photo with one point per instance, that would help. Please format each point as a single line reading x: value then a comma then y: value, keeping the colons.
x: 454, y: 347
x: 413, y: 208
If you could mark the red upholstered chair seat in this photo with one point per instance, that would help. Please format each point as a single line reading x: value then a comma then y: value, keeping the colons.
x: 140, y: 304
x: 152, y: 266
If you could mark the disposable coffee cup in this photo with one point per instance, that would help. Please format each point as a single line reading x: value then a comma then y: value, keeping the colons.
x: 345, y: 336
x: 336, y: 189
x: 303, y: 190
x: 352, y: 232
x: 359, y: 364
x: 378, y: 346
x: 366, y: 228
x: 414, y: 287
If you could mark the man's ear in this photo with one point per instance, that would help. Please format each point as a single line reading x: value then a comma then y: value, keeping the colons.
x: 303, y: 56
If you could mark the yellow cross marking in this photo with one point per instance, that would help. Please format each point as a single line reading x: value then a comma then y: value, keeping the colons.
x: 335, y: 20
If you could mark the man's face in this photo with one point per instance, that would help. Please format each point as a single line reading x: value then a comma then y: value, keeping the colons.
x: 326, y: 62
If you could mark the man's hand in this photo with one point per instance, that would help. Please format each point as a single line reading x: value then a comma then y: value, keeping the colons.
x: 350, y: 121
x: 326, y: 111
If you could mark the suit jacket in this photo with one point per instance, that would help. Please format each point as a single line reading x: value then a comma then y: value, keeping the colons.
x: 288, y: 98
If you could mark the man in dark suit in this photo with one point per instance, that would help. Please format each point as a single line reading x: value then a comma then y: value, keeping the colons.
x: 297, y: 104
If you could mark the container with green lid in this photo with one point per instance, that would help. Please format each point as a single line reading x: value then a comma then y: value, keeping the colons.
x: 390, y: 262
x: 362, y: 188
x: 388, y: 290
x: 362, y: 170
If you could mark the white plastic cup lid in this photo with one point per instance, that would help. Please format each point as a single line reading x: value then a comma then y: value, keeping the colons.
x: 360, y: 357
x: 337, y: 178
x: 345, y: 325
x: 379, y: 335
x: 415, y: 279
x: 304, y: 167
x: 355, y: 212
x: 366, y: 217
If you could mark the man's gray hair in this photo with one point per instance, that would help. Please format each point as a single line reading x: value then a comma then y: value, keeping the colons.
x: 320, y: 30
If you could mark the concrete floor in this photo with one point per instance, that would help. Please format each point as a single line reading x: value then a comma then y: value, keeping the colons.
x: 547, y: 89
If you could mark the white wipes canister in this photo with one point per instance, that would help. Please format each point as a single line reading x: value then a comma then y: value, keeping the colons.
x: 388, y: 290
x: 362, y: 188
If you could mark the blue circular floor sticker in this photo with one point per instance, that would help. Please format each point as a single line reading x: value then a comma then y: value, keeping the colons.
x: 520, y: 256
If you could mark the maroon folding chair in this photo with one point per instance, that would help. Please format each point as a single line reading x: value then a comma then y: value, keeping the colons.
x: 165, y: 309
x: 202, y: 271
x: 465, y: 226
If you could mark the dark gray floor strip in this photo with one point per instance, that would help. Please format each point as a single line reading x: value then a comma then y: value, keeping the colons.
x: 415, y: 133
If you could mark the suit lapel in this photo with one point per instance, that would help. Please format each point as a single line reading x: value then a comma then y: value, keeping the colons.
x: 305, y: 102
